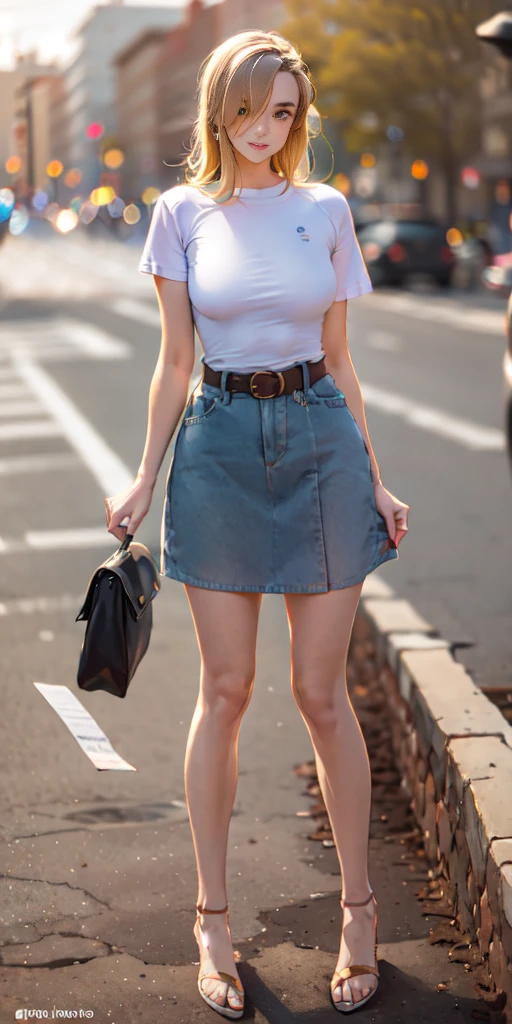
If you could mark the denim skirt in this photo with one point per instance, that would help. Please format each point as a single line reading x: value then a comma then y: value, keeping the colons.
x: 271, y: 495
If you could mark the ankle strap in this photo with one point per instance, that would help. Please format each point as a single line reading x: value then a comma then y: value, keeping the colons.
x: 202, y: 910
x: 351, y: 903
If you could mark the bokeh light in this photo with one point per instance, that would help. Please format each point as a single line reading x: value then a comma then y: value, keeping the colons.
x: 73, y: 177
x: 113, y: 158
x: 102, y: 196
x: 19, y: 220
x: 7, y: 199
x: 131, y: 214
x: 419, y: 170
x: 150, y: 195
x: 342, y: 183
x: 116, y: 207
x: 66, y: 221
x: 76, y: 203
x: 13, y: 165
x: 52, y: 211
x: 367, y: 160
x: 454, y: 236
x: 88, y: 212
x: 54, y: 169
x: 394, y: 133
x: 40, y: 200
x: 502, y: 192
x: 94, y: 130
x: 470, y: 177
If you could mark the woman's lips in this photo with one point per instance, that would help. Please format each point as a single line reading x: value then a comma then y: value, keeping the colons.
x: 255, y: 145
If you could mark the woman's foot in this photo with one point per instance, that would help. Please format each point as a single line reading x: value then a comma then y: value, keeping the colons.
x: 357, y: 946
x: 216, y: 954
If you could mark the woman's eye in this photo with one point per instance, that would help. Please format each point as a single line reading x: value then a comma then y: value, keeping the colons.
x: 287, y: 112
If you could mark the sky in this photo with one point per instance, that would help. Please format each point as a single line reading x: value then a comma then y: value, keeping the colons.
x: 46, y: 26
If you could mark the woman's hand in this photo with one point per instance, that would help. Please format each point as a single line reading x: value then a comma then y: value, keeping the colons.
x: 131, y: 504
x: 395, y: 513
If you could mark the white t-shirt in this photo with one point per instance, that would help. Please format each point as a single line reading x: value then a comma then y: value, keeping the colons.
x: 261, y: 271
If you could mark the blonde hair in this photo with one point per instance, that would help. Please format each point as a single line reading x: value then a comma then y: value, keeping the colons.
x: 241, y: 70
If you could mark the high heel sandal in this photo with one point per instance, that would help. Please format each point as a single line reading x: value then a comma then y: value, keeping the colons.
x: 230, y: 979
x: 344, y: 1006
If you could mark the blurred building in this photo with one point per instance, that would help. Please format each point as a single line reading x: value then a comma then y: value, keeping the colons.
x: 90, y: 77
x: 137, y: 77
x: 32, y: 123
x: 157, y: 86
x: 13, y: 112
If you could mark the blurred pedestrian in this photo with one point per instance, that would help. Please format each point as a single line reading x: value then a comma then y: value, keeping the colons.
x: 274, y: 486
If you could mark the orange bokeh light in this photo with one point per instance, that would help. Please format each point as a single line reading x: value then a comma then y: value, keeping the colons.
x: 13, y: 165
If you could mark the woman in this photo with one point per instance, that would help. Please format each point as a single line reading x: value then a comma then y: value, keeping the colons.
x: 274, y: 486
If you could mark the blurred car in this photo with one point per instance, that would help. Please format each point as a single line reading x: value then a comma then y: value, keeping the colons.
x: 395, y: 248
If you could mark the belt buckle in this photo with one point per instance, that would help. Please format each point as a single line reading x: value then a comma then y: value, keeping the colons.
x: 273, y: 373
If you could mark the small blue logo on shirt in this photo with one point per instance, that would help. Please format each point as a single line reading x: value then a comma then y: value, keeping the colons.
x: 301, y: 229
x: 304, y: 238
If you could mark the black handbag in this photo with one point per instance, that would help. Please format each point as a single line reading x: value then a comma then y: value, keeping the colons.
x: 119, y: 618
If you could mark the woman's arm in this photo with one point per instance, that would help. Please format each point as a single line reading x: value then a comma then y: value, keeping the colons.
x: 169, y: 386
x: 339, y: 364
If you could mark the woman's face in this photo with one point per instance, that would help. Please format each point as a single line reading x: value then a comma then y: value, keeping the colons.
x: 271, y: 126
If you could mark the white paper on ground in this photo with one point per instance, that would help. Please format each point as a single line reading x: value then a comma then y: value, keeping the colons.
x: 83, y: 727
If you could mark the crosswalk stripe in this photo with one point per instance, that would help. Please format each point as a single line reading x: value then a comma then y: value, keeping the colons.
x: 135, y: 310
x: 29, y: 428
x: 18, y: 390
x: 435, y: 421
x: 458, y: 316
x: 108, y: 469
x: 14, y: 464
x: 27, y: 408
x: 59, y: 540
x: 31, y: 605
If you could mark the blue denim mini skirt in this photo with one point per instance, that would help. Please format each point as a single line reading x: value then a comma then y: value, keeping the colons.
x: 271, y: 495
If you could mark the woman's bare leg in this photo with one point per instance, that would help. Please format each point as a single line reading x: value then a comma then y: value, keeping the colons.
x: 320, y: 630
x: 226, y: 626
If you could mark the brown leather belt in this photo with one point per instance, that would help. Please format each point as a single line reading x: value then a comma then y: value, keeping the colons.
x: 266, y: 383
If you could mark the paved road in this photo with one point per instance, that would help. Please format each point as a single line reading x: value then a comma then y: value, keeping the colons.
x: 96, y: 872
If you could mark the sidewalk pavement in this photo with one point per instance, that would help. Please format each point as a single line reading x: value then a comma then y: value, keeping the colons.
x: 98, y: 890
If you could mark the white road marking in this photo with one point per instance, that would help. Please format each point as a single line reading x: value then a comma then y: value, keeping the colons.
x: 135, y: 310
x: 62, y: 337
x: 108, y: 469
x: 59, y: 540
x: 457, y: 315
x: 435, y: 421
x: 84, y: 537
x: 31, y: 605
x: 13, y: 408
x: 29, y: 428
x: 14, y: 464
x: 384, y: 340
x: 18, y: 390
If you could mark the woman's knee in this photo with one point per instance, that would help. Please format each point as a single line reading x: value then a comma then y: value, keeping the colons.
x: 320, y: 701
x: 227, y: 691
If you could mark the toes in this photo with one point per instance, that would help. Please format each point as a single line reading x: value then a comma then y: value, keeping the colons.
x: 234, y: 999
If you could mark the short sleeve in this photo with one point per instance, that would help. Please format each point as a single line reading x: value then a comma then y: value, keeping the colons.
x: 164, y: 252
x: 347, y: 259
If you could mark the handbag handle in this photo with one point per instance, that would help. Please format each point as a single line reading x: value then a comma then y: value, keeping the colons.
x: 128, y: 537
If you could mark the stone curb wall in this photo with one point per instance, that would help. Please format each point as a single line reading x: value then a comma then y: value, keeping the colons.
x: 454, y: 750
